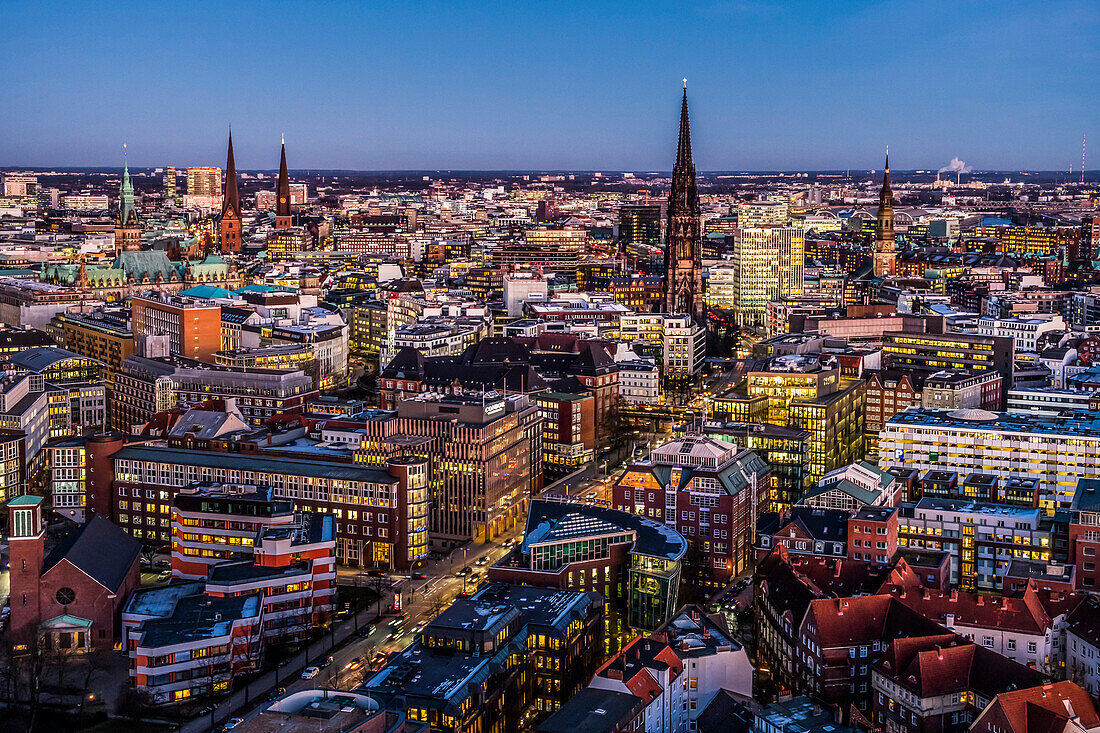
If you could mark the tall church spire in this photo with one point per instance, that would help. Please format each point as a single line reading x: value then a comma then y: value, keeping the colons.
x: 231, y: 200
x: 282, y: 193
x: 884, y: 253
x: 683, y: 257
x: 230, y: 225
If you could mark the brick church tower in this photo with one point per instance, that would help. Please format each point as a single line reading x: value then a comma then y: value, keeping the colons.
x: 26, y: 550
x: 230, y: 224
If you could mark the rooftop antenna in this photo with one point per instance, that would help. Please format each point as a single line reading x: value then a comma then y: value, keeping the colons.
x: 1082, y: 159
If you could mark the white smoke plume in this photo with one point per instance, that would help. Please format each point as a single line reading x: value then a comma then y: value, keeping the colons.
x: 956, y: 166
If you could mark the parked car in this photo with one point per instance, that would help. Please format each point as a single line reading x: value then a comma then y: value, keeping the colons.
x: 325, y: 662
x: 276, y: 694
x: 233, y: 723
x: 162, y: 564
x: 310, y: 672
x: 165, y: 575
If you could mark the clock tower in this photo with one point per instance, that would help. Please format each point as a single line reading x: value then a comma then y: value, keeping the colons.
x: 230, y: 224
x: 283, y: 219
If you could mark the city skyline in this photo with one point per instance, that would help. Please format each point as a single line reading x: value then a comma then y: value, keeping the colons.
x: 467, y: 87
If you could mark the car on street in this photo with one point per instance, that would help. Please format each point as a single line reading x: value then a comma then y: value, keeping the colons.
x: 233, y: 723
x: 419, y: 576
x: 276, y: 694
x: 392, y: 635
x: 464, y: 571
x: 354, y: 664
x: 324, y: 662
x: 376, y: 573
x: 310, y: 672
x: 481, y: 561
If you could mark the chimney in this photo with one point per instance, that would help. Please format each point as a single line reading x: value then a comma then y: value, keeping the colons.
x: 939, y: 652
x: 836, y: 570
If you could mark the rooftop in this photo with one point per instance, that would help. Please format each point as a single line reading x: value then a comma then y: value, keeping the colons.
x: 553, y: 521
x: 1078, y: 424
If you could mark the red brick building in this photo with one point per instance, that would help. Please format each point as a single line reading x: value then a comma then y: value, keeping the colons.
x: 873, y: 534
x: 73, y: 594
x: 889, y: 391
x: 710, y: 491
x: 193, y: 327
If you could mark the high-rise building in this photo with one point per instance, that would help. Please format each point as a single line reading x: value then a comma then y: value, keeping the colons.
x: 768, y: 265
x: 230, y: 224
x: 127, y: 226
x: 640, y: 224
x: 283, y: 219
x: 204, y: 181
x: 170, y: 183
x: 885, y: 255
x: 683, y: 248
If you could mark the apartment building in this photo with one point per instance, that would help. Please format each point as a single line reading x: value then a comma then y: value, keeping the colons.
x: 982, y: 538
x: 241, y: 539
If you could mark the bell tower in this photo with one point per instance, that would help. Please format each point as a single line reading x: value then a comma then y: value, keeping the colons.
x: 884, y: 254
x: 230, y: 224
x: 283, y: 219
x: 26, y: 550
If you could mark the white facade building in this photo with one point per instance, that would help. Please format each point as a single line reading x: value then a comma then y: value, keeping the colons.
x: 1057, y: 451
x: 1025, y: 330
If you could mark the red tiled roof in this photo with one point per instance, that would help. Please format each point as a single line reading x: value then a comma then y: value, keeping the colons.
x: 1024, y: 709
x: 1031, y: 614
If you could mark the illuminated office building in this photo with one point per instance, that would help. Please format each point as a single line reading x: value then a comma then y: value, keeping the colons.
x: 204, y: 181
x: 767, y: 265
x: 640, y: 224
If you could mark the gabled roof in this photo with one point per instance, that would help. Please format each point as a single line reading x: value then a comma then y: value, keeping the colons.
x: 1044, y: 708
x: 100, y: 549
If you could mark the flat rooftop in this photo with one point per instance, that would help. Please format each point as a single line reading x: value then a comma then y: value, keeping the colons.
x: 1078, y: 423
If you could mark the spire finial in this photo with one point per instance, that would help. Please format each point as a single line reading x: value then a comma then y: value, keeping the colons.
x: 685, y: 82
x: 282, y: 138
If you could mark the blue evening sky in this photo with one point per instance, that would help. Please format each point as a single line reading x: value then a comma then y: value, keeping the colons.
x: 570, y: 85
